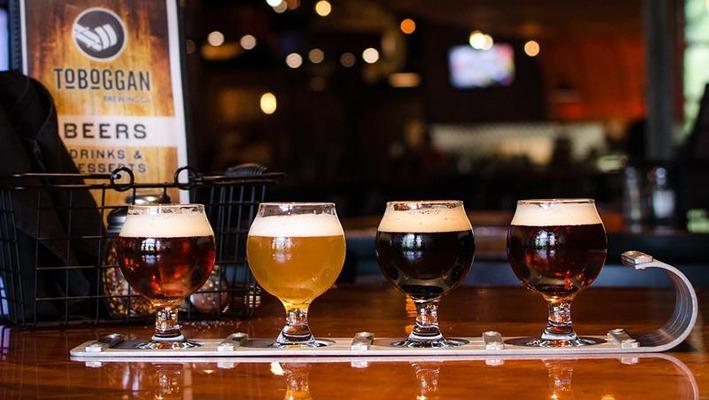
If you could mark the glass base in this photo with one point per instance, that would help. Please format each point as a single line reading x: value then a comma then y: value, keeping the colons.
x: 539, y: 342
x: 307, y: 344
x: 429, y: 344
x: 174, y: 343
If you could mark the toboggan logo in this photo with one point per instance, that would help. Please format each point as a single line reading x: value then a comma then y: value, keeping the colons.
x: 99, y: 34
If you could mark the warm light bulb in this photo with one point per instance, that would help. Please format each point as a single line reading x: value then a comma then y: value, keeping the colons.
x: 248, y: 42
x: 347, y: 60
x: 215, y: 38
x: 480, y: 41
x: 532, y: 48
x: 294, y: 60
x: 370, y: 55
x: 408, y: 26
x: 268, y: 103
x: 281, y: 7
x: 323, y: 8
x: 316, y: 56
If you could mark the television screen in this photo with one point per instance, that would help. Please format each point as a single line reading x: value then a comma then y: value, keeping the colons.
x: 4, y: 41
x: 471, y: 68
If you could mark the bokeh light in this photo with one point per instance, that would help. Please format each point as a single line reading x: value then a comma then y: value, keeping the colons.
x: 294, y: 60
x: 408, y: 26
x: 370, y: 55
x: 215, y: 38
x: 316, y: 56
x: 248, y: 42
x: 268, y: 103
x: 347, y: 59
x: 323, y: 8
x: 532, y: 48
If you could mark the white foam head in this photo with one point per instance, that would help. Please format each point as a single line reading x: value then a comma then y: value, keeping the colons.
x: 296, y: 225
x: 556, y: 212
x: 429, y: 219
x: 166, y: 225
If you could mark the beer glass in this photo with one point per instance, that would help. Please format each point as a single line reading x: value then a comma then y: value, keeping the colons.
x: 425, y: 248
x: 296, y: 251
x: 557, y: 247
x: 166, y: 252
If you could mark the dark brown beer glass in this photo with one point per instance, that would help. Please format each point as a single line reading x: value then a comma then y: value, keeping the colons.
x: 557, y: 247
x: 425, y: 248
x: 166, y: 252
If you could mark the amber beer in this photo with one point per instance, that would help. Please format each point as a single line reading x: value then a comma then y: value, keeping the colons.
x: 557, y: 252
x: 296, y: 257
x: 166, y: 259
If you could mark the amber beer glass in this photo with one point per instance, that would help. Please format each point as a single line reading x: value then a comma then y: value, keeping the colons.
x: 557, y: 247
x: 425, y: 248
x: 296, y: 252
x: 166, y: 252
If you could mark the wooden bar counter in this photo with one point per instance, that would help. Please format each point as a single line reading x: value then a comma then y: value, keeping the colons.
x: 35, y: 364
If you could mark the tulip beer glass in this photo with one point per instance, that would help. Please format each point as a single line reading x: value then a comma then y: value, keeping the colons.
x: 296, y: 252
x: 557, y: 247
x: 166, y: 252
x: 425, y: 248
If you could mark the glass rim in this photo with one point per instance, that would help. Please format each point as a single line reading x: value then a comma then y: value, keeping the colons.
x: 424, y: 202
x: 167, y: 206
x: 296, y: 203
x: 558, y: 201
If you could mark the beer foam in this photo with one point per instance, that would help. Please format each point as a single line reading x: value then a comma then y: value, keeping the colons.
x: 428, y: 220
x: 299, y: 225
x: 555, y: 214
x: 166, y: 226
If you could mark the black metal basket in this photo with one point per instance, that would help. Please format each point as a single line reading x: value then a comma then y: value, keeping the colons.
x: 54, y: 244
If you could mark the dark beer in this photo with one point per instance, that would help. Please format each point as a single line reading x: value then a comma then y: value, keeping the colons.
x: 557, y: 261
x: 166, y: 270
x: 425, y: 248
x: 425, y: 265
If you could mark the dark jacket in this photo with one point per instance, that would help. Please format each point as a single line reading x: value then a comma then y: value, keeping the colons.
x: 50, y: 237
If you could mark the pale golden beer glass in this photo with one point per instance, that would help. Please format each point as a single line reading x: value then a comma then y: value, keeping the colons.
x: 296, y: 252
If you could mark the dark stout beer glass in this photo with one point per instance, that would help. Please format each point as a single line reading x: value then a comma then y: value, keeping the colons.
x: 557, y: 247
x: 166, y: 252
x: 425, y: 248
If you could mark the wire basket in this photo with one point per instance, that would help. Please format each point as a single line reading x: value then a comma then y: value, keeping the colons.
x: 56, y: 266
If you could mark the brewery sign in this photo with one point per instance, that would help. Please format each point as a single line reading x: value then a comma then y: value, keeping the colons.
x: 115, y: 70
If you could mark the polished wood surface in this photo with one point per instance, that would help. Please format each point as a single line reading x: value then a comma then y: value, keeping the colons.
x: 35, y: 364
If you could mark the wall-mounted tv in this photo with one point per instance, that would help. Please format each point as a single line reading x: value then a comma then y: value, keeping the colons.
x: 4, y: 41
x: 471, y: 68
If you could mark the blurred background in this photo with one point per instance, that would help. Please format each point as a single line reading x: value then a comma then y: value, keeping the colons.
x: 364, y: 101
x: 360, y: 101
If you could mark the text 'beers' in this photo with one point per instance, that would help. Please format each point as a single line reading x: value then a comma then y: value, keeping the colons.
x: 104, y: 131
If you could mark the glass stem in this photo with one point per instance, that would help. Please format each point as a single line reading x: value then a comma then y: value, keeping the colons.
x: 426, y: 327
x: 166, y: 326
x: 296, y: 329
x: 559, y: 322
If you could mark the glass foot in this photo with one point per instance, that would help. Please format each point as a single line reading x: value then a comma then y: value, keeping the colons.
x: 303, y: 345
x: 429, y: 344
x: 539, y: 342
x: 176, y: 343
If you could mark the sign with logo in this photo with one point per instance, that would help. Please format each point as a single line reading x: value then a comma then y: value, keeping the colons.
x: 114, y: 69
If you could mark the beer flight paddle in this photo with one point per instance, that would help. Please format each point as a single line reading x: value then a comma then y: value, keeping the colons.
x: 556, y: 247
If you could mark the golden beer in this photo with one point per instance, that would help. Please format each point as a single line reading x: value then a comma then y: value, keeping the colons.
x: 295, y: 252
x: 296, y: 269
